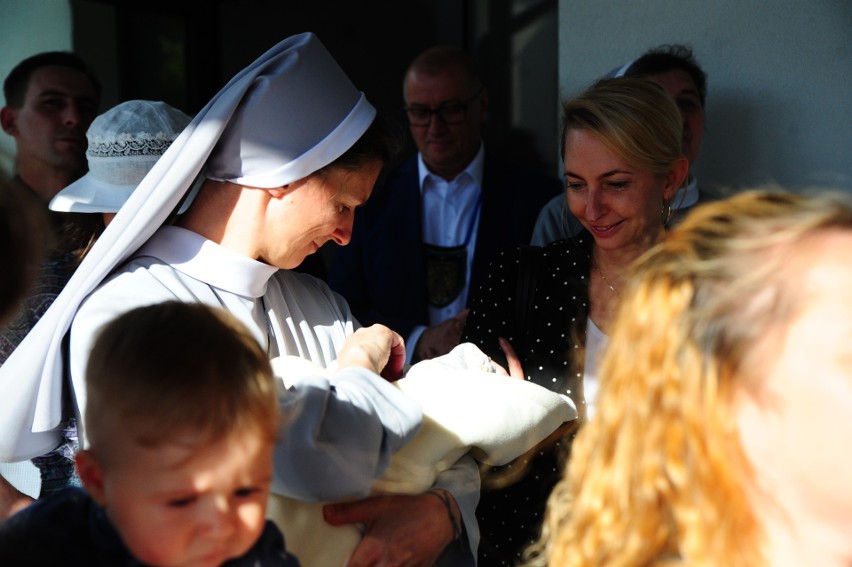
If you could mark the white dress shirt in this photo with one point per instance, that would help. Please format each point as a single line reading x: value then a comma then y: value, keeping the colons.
x: 450, y: 211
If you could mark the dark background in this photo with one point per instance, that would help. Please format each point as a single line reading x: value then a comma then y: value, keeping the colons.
x: 184, y: 51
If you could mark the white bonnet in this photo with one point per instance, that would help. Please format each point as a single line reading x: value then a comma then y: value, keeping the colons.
x: 124, y: 144
x: 301, y: 115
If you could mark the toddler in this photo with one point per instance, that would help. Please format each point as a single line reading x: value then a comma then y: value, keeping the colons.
x: 182, y: 418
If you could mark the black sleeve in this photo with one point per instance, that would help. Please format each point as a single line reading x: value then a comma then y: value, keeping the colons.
x: 492, y: 307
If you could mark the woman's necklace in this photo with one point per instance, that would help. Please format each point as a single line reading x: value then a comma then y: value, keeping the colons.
x: 605, y: 279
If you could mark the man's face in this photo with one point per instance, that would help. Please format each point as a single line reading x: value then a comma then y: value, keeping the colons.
x: 682, y: 89
x: 50, y: 127
x: 446, y: 148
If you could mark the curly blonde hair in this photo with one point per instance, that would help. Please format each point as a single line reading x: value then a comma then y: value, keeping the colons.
x: 659, y: 476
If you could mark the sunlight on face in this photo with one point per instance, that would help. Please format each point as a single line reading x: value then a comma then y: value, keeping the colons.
x: 313, y: 211
x: 182, y: 505
x: 617, y: 203
x: 800, y: 424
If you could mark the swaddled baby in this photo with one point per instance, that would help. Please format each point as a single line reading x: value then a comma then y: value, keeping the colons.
x: 467, y: 408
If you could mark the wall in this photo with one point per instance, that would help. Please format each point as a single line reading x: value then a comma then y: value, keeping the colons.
x: 26, y: 28
x: 779, y: 79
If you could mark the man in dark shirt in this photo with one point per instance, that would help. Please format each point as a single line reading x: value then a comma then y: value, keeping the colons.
x: 422, y: 243
x: 51, y: 99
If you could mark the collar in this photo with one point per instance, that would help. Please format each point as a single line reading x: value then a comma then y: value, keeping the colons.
x: 204, y: 260
x: 690, y: 193
x: 474, y: 169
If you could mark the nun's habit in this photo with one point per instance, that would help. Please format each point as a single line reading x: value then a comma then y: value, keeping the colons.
x: 285, y: 116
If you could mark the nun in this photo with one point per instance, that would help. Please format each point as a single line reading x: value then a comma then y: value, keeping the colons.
x: 285, y: 151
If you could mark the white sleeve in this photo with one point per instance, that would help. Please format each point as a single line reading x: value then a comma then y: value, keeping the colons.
x: 340, y: 433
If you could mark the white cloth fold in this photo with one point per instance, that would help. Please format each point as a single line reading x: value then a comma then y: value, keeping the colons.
x: 467, y: 409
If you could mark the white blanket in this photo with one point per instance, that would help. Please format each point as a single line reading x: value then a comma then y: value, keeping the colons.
x: 466, y: 408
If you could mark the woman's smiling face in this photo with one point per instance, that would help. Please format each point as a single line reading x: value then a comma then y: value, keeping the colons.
x: 620, y: 205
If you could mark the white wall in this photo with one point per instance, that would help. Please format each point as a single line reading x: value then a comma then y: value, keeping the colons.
x: 779, y: 97
x: 26, y: 28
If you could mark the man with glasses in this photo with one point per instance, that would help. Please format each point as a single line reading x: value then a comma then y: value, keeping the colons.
x: 425, y: 238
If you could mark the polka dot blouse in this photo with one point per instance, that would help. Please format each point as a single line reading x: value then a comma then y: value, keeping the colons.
x: 550, y: 342
x: 548, y: 338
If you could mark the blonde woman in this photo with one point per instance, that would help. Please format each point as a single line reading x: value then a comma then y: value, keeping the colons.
x: 624, y: 165
x: 724, y: 415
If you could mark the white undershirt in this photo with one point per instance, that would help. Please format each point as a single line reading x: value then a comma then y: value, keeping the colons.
x: 449, y: 208
x: 596, y: 341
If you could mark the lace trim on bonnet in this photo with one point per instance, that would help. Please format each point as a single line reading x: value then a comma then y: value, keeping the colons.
x: 144, y: 144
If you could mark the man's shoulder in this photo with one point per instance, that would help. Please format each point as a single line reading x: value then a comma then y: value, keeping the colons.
x: 396, y: 193
x: 403, y: 170
x: 533, y: 178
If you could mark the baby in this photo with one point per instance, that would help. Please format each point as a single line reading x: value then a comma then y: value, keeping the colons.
x: 468, y: 408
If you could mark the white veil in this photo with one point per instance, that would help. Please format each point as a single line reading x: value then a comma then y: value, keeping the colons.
x: 287, y: 80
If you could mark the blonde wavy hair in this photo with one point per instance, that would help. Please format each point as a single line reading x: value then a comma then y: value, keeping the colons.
x: 659, y: 476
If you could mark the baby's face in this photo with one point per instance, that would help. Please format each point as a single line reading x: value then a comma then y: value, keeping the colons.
x: 178, y: 505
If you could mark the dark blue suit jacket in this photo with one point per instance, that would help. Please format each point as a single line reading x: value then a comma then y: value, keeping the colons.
x: 382, y: 272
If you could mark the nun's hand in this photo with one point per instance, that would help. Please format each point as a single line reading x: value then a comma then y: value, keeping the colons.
x: 375, y: 348
x: 410, y: 531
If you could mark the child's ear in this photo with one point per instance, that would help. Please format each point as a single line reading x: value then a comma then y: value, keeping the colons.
x: 279, y: 192
x: 91, y: 474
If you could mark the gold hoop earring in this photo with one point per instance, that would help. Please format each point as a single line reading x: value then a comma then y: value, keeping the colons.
x: 666, y: 212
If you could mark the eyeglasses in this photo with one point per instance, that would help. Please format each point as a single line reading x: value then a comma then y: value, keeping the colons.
x: 452, y: 113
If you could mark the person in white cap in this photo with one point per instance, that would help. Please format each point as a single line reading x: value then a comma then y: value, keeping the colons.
x: 289, y: 148
x: 124, y: 143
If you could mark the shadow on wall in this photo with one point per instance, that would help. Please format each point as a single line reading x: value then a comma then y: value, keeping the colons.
x: 736, y: 147
x: 728, y: 143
